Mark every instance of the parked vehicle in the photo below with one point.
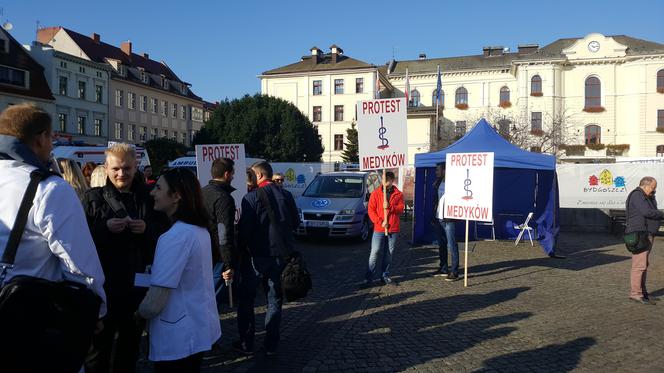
(190, 163)
(84, 154)
(335, 205)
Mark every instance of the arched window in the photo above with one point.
(593, 134)
(536, 86)
(461, 97)
(414, 98)
(442, 98)
(660, 81)
(660, 151)
(593, 93)
(504, 96)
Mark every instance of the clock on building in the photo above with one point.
(593, 46)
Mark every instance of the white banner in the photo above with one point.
(382, 133)
(297, 176)
(603, 186)
(469, 186)
(206, 154)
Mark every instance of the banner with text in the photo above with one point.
(382, 133)
(469, 186)
(206, 154)
(603, 186)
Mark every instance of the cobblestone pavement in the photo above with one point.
(522, 312)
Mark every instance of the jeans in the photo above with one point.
(386, 243)
(266, 271)
(444, 231)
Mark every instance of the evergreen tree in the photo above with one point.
(351, 146)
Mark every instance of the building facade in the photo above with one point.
(80, 88)
(595, 95)
(21, 77)
(146, 99)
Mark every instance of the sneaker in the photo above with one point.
(241, 347)
(388, 281)
(441, 273)
(452, 277)
(643, 301)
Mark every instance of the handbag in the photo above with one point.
(45, 325)
(636, 242)
(295, 278)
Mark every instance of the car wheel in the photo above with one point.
(365, 231)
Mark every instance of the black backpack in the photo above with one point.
(295, 279)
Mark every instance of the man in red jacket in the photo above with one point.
(380, 240)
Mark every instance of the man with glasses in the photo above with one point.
(278, 179)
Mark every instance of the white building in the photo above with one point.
(80, 88)
(607, 91)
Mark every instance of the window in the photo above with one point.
(660, 151)
(593, 93)
(414, 98)
(165, 83)
(536, 121)
(338, 113)
(98, 74)
(130, 132)
(318, 114)
(12, 76)
(174, 110)
(504, 127)
(142, 133)
(182, 112)
(660, 120)
(97, 127)
(122, 70)
(338, 86)
(434, 95)
(143, 103)
(154, 105)
(504, 95)
(164, 108)
(338, 142)
(183, 138)
(99, 93)
(318, 88)
(118, 97)
(536, 86)
(593, 134)
(62, 122)
(536, 149)
(359, 85)
(144, 77)
(660, 81)
(81, 125)
(118, 130)
(153, 133)
(131, 100)
(81, 69)
(63, 86)
(174, 136)
(164, 134)
(460, 128)
(81, 90)
(461, 97)
(63, 64)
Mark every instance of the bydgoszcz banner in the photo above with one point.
(469, 186)
(206, 154)
(382, 133)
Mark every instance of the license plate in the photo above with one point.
(323, 224)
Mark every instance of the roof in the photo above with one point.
(483, 138)
(324, 64)
(635, 47)
(19, 58)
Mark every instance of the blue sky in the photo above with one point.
(221, 46)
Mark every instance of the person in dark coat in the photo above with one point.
(125, 229)
(642, 216)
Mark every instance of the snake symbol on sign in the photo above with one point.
(381, 135)
(466, 186)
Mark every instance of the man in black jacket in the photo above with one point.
(125, 229)
(262, 243)
(221, 206)
(642, 216)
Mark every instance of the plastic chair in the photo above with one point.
(525, 228)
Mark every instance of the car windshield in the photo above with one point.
(335, 186)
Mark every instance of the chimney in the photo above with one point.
(493, 51)
(146, 56)
(336, 52)
(315, 54)
(423, 56)
(528, 48)
(486, 51)
(126, 47)
(96, 38)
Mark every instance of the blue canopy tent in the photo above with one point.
(523, 182)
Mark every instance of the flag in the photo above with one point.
(377, 85)
(439, 88)
(407, 88)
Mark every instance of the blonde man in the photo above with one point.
(125, 229)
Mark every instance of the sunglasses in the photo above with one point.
(278, 180)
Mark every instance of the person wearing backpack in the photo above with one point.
(262, 245)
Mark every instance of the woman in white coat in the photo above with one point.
(180, 305)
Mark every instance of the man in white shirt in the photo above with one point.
(56, 243)
(444, 230)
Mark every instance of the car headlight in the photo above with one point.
(347, 212)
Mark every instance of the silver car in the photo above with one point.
(335, 205)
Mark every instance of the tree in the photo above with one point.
(269, 128)
(351, 147)
(162, 150)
